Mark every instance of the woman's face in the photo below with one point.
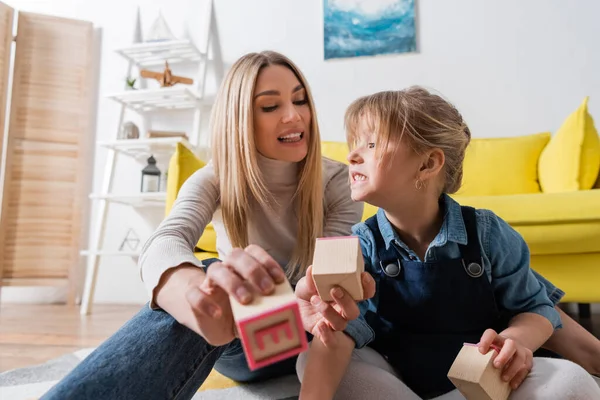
(282, 116)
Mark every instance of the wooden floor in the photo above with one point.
(33, 334)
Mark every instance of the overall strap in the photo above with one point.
(389, 261)
(471, 252)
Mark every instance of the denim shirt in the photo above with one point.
(516, 287)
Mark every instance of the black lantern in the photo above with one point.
(151, 177)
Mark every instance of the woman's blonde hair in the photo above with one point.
(425, 119)
(234, 155)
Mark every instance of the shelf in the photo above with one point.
(156, 199)
(169, 98)
(141, 149)
(156, 53)
(109, 253)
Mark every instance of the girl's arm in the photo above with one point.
(326, 366)
(529, 329)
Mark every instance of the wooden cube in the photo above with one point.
(270, 327)
(475, 376)
(338, 261)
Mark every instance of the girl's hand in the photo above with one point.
(321, 318)
(514, 359)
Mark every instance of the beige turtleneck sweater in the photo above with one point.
(272, 228)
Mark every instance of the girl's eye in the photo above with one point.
(301, 102)
(371, 145)
(269, 109)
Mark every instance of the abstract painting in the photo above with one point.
(354, 28)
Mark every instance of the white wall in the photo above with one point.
(512, 67)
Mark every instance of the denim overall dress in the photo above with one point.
(427, 310)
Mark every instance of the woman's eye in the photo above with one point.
(269, 108)
(371, 145)
(301, 102)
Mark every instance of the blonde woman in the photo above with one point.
(269, 195)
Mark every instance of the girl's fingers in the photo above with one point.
(488, 337)
(508, 350)
(519, 378)
(333, 318)
(346, 304)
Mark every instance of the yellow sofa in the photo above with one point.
(546, 186)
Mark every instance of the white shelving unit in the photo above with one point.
(147, 103)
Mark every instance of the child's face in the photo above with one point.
(282, 116)
(382, 181)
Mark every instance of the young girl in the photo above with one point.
(445, 274)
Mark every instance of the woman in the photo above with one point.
(266, 172)
(266, 186)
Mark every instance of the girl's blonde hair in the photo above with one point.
(234, 155)
(423, 119)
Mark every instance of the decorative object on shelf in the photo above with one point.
(150, 177)
(130, 83)
(166, 79)
(159, 46)
(166, 134)
(129, 130)
(368, 28)
(131, 240)
(159, 31)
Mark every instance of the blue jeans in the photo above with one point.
(155, 357)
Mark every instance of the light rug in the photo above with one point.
(32, 382)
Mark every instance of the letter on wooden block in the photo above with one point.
(475, 376)
(270, 327)
(338, 261)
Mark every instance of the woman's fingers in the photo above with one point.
(220, 275)
(202, 303)
(267, 261)
(251, 269)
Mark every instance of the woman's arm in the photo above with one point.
(172, 244)
(325, 366)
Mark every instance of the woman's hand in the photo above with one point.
(245, 272)
(200, 300)
(321, 318)
(514, 359)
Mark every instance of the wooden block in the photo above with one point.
(270, 327)
(475, 376)
(338, 261)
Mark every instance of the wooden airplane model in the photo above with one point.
(166, 78)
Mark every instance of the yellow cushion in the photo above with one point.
(338, 151)
(499, 166)
(550, 223)
(572, 158)
(182, 165)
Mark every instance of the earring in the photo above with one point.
(419, 184)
